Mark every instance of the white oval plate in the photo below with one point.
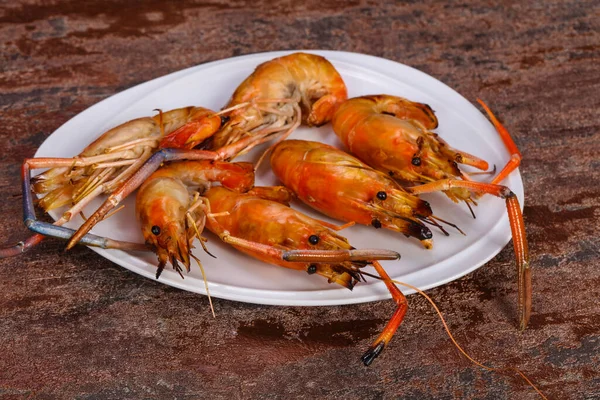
(235, 276)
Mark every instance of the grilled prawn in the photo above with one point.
(261, 224)
(104, 167)
(344, 188)
(394, 135)
(116, 155)
(172, 212)
(277, 97)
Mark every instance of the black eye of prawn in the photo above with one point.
(156, 230)
(312, 269)
(224, 119)
(382, 195)
(313, 239)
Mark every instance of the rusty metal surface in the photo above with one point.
(73, 325)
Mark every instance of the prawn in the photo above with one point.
(112, 158)
(394, 135)
(171, 210)
(261, 224)
(277, 97)
(104, 165)
(344, 188)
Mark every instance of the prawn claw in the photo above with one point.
(372, 353)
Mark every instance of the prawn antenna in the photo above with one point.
(200, 238)
(356, 273)
(212, 309)
(237, 106)
(471, 209)
(113, 212)
(504, 371)
(435, 217)
(491, 172)
(434, 223)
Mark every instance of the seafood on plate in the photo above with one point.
(172, 211)
(113, 157)
(104, 167)
(343, 187)
(261, 224)
(276, 98)
(394, 135)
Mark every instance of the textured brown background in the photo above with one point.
(75, 325)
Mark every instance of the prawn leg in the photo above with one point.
(319, 256)
(245, 144)
(360, 255)
(21, 247)
(52, 162)
(274, 250)
(515, 154)
(517, 227)
(88, 239)
(392, 326)
(105, 163)
(363, 255)
(48, 229)
(134, 182)
(43, 228)
(323, 256)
